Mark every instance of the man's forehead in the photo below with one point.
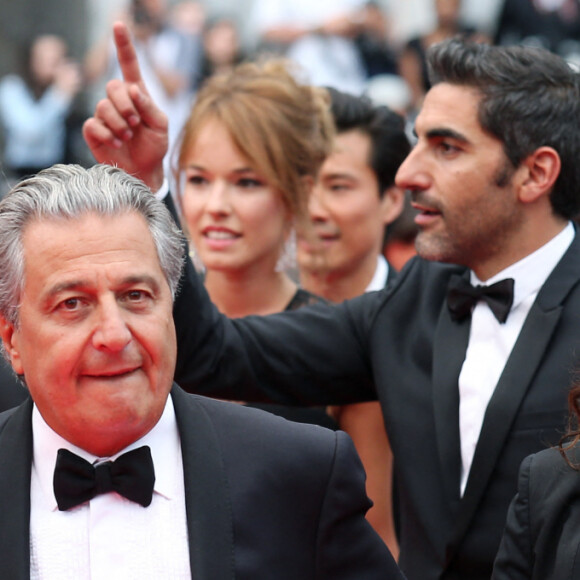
(449, 107)
(88, 240)
(84, 225)
(349, 145)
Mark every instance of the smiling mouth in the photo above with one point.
(220, 235)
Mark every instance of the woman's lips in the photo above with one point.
(219, 238)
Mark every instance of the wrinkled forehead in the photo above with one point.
(82, 248)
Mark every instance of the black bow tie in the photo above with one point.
(77, 481)
(462, 297)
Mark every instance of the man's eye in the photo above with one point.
(70, 304)
(136, 295)
(447, 147)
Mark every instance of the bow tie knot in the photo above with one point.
(77, 481)
(462, 297)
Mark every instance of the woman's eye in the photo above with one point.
(196, 180)
(248, 183)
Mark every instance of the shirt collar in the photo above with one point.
(380, 276)
(163, 441)
(531, 272)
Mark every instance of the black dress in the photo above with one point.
(313, 415)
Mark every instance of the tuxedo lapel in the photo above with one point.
(515, 380)
(15, 467)
(449, 350)
(209, 516)
(208, 504)
(391, 274)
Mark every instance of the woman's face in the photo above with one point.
(235, 220)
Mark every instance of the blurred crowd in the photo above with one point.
(356, 46)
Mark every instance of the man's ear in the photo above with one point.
(9, 336)
(541, 170)
(392, 204)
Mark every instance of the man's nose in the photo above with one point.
(112, 332)
(412, 173)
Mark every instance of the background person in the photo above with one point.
(553, 24)
(222, 50)
(319, 36)
(413, 59)
(354, 201)
(541, 534)
(248, 157)
(35, 105)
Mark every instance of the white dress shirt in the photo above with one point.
(110, 537)
(380, 276)
(490, 343)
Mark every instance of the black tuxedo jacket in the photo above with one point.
(542, 534)
(401, 346)
(12, 392)
(265, 498)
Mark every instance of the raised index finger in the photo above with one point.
(126, 55)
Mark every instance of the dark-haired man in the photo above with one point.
(470, 380)
(354, 201)
(351, 206)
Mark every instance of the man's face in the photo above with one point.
(346, 210)
(95, 339)
(462, 185)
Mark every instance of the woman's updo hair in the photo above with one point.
(282, 126)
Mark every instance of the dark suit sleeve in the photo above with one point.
(515, 558)
(316, 355)
(347, 546)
